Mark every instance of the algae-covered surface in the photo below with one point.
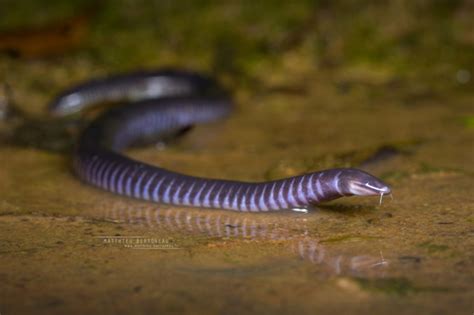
(386, 88)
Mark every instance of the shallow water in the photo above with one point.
(70, 248)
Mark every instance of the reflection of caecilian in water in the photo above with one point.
(293, 233)
(164, 103)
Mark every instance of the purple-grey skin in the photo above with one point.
(98, 161)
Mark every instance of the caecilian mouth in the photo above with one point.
(382, 190)
(366, 189)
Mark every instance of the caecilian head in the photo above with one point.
(356, 182)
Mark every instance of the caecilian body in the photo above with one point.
(166, 103)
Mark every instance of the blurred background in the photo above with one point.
(249, 43)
